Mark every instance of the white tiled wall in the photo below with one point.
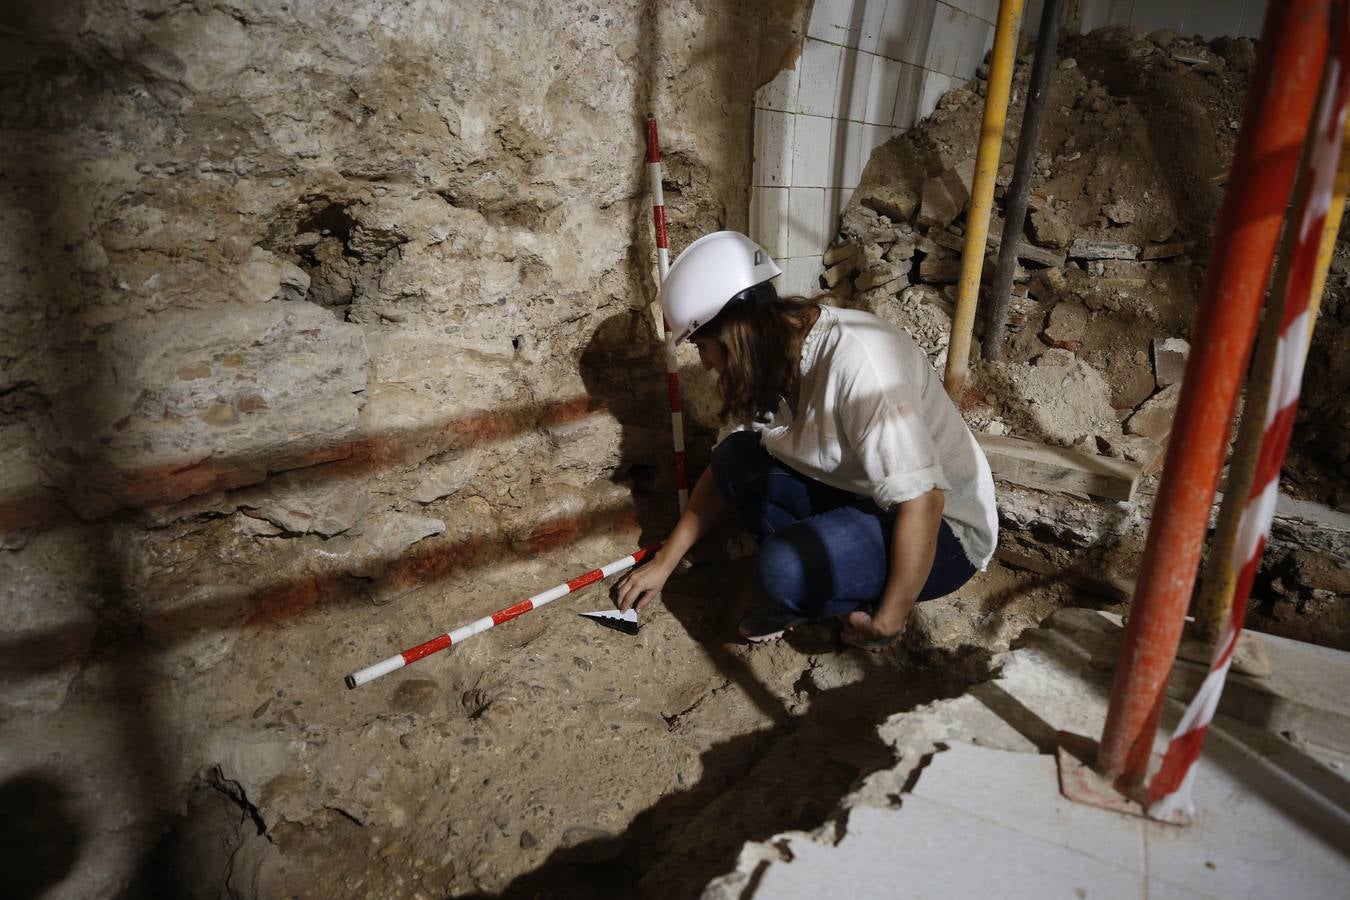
(870, 69)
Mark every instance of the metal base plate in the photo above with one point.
(1080, 782)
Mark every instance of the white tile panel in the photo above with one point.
(835, 201)
(801, 275)
(874, 12)
(908, 96)
(848, 155)
(1096, 13)
(949, 27)
(881, 90)
(906, 29)
(1151, 15)
(773, 148)
(935, 84)
(781, 92)
(769, 219)
(1253, 18)
(813, 152)
(1031, 17)
(970, 52)
(1119, 13)
(965, 776)
(834, 21)
(806, 221)
(873, 136)
(855, 78)
(818, 93)
(1213, 18)
(1274, 839)
(988, 9)
(910, 851)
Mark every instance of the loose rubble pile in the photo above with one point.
(1128, 181)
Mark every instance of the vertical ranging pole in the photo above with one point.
(982, 194)
(1015, 203)
(1280, 100)
(464, 632)
(1169, 792)
(662, 266)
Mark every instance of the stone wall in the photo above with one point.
(310, 306)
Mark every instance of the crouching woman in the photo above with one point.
(848, 463)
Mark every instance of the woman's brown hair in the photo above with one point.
(761, 335)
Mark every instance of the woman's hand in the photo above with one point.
(640, 586)
(870, 631)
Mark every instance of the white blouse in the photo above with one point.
(874, 420)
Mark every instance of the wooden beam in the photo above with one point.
(1058, 469)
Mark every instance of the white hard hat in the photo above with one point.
(709, 272)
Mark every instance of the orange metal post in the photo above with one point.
(1279, 106)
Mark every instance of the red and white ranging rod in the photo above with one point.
(1169, 793)
(464, 632)
(663, 266)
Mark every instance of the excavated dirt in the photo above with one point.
(1127, 185)
(550, 756)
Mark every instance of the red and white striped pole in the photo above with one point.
(1169, 792)
(662, 266)
(464, 632)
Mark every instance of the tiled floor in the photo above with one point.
(1273, 815)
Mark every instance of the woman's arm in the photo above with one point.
(913, 546)
(642, 585)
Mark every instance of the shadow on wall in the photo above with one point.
(40, 839)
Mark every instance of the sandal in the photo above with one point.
(768, 623)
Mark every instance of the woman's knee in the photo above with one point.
(782, 572)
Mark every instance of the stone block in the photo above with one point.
(841, 270)
(1047, 284)
(1084, 248)
(883, 275)
(944, 238)
(1066, 325)
(308, 503)
(1039, 255)
(1121, 212)
(937, 270)
(1048, 229)
(1153, 419)
(945, 196)
(894, 201)
(1134, 447)
(903, 248)
(1167, 251)
(195, 401)
(1169, 360)
(446, 475)
(929, 247)
(840, 252)
(382, 540)
(1119, 273)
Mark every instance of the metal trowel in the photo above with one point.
(627, 622)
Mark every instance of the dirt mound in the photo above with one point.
(1128, 181)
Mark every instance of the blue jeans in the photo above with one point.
(822, 551)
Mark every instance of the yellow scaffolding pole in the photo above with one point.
(982, 192)
(1214, 603)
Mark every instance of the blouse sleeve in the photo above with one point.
(882, 421)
